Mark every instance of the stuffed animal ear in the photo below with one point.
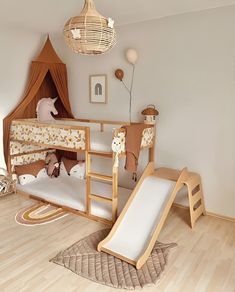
(47, 159)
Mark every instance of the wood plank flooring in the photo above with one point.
(203, 261)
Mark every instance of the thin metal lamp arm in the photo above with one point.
(130, 94)
(133, 75)
(126, 86)
(130, 89)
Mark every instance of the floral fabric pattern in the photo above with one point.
(147, 137)
(50, 135)
(59, 136)
(17, 148)
(29, 158)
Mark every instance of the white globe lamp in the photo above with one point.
(132, 56)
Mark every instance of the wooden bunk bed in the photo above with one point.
(30, 141)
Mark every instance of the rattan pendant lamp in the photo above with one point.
(90, 33)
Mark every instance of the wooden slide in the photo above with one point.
(134, 234)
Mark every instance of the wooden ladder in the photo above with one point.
(195, 196)
(194, 190)
(101, 177)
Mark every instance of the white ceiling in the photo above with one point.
(50, 15)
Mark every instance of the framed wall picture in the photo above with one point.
(98, 88)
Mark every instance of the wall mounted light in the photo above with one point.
(132, 57)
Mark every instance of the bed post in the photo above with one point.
(88, 170)
(150, 113)
(152, 148)
(9, 166)
(114, 190)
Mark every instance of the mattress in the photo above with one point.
(71, 192)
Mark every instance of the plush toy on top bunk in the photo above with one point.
(45, 107)
(52, 165)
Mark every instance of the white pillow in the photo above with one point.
(78, 170)
(63, 171)
(31, 172)
(29, 178)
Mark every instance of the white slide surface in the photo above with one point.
(141, 218)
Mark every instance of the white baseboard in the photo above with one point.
(231, 219)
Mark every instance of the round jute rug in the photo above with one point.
(83, 259)
(38, 214)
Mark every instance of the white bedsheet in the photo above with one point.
(71, 192)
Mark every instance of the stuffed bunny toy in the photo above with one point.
(52, 165)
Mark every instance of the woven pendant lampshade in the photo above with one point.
(90, 33)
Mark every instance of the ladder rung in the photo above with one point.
(99, 153)
(197, 197)
(100, 176)
(100, 198)
(198, 212)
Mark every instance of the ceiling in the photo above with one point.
(50, 15)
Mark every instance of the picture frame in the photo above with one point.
(98, 89)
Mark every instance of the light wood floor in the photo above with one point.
(203, 261)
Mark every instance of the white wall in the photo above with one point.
(17, 49)
(186, 68)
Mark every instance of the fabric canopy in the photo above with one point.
(47, 78)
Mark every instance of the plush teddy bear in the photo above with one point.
(52, 165)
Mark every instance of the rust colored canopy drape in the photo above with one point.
(47, 78)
